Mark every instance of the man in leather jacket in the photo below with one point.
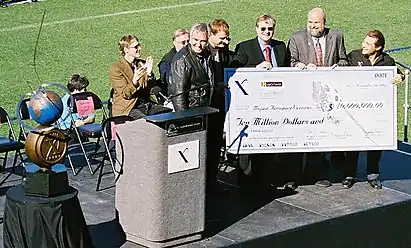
(191, 77)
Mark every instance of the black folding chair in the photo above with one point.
(110, 103)
(92, 130)
(9, 143)
(109, 136)
(23, 112)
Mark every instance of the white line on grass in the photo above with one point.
(109, 15)
(22, 2)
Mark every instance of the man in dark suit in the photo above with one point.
(313, 47)
(266, 52)
(253, 53)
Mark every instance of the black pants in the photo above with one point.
(272, 169)
(351, 161)
(316, 167)
(289, 168)
(141, 110)
(215, 131)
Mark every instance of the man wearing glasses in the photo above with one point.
(317, 46)
(262, 51)
(218, 48)
(132, 79)
(265, 52)
(180, 39)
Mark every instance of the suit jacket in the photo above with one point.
(248, 54)
(301, 48)
(125, 93)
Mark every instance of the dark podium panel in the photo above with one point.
(160, 196)
(36, 222)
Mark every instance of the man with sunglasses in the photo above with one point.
(180, 39)
(132, 80)
(262, 51)
(265, 52)
(317, 46)
(218, 48)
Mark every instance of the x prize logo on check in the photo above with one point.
(241, 87)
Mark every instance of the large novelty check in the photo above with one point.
(293, 110)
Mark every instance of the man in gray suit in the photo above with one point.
(306, 44)
(313, 47)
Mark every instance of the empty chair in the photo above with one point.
(9, 143)
(109, 136)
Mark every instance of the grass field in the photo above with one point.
(81, 36)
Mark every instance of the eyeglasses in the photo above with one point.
(183, 42)
(136, 46)
(268, 29)
(227, 38)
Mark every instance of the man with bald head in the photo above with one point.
(317, 46)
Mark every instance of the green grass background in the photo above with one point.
(89, 46)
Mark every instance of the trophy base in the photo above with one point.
(46, 183)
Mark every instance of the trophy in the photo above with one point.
(46, 145)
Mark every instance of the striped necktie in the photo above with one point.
(318, 53)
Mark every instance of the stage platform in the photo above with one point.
(311, 216)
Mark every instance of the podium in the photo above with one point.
(160, 195)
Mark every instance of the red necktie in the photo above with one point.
(318, 53)
(268, 54)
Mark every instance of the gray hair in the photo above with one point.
(200, 27)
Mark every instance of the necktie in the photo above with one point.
(318, 53)
(268, 54)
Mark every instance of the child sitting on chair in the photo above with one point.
(76, 84)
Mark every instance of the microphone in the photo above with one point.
(157, 91)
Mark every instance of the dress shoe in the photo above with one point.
(375, 183)
(323, 183)
(290, 186)
(348, 182)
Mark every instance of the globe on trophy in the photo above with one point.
(46, 145)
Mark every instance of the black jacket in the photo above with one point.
(190, 85)
(356, 57)
(248, 54)
(164, 69)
